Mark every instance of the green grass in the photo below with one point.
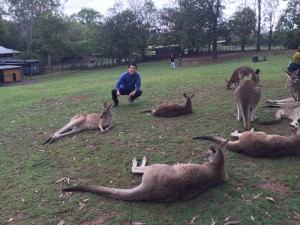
(29, 170)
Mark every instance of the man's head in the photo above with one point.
(132, 68)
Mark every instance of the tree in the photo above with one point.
(146, 14)
(242, 24)
(271, 8)
(258, 32)
(289, 24)
(52, 37)
(25, 13)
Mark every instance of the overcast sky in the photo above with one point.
(74, 6)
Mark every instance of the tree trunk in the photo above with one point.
(258, 26)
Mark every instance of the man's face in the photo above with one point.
(132, 70)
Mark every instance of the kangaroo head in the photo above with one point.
(228, 84)
(292, 77)
(190, 95)
(297, 127)
(209, 155)
(106, 110)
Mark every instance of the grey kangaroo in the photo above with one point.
(172, 110)
(293, 84)
(164, 183)
(261, 145)
(239, 74)
(290, 110)
(247, 97)
(83, 121)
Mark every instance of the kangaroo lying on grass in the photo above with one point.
(261, 145)
(290, 110)
(171, 110)
(164, 183)
(83, 121)
(293, 84)
(247, 97)
(239, 74)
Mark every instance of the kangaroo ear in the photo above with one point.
(288, 73)
(105, 104)
(212, 149)
(184, 94)
(223, 145)
(110, 105)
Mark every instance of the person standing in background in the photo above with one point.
(179, 60)
(172, 61)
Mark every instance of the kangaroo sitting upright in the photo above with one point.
(293, 84)
(239, 74)
(164, 183)
(290, 110)
(261, 145)
(171, 110)
(247, 97)
(83, 121)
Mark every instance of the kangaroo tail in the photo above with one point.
(115, 193)
(211, 138)
(48, 141)
(271, 106)
(269, 122)
(147, 111)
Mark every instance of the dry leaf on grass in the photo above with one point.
(61, 222)
(193, 220)
(252, 218)
(232, 222)
(63, 180)
(81, 205)
(297, 215)
(11, 219)
(138, 223)
(227, 219)
(256, 196)
(213, 222)
(271, 199)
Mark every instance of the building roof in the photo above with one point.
(9, 67)
(7, 51)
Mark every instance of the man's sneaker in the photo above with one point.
(115, 104)
(130, 100)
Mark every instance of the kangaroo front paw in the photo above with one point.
(235, 133)
(253, 119)
(134, 162)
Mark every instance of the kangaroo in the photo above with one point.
(293, 84)
(247, 97)
(290, 110)
(239, 74)
(172, 110)
(83, 121)
(261, 145)
(164, 183)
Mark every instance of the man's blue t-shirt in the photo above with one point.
(129, 82)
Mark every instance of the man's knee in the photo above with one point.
(139, 93)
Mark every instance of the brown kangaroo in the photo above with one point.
(83, 121)
(247, 97)
(164, 183)
(261, 145)
(172, 110)
(290, 110)
(239, 74)
(293, 84)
